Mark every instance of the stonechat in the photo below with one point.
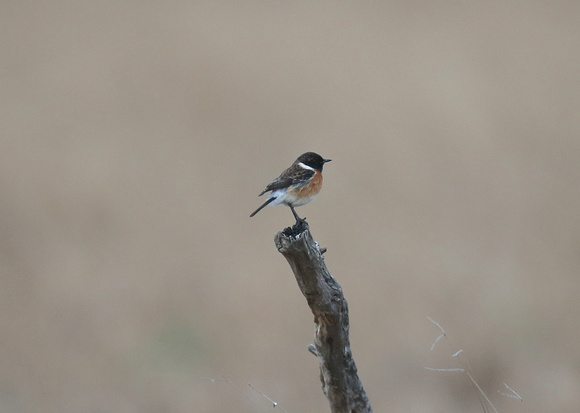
(297, 185)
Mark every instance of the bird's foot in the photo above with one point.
(300, 226)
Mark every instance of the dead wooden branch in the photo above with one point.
(338, 373)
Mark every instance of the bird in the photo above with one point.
(297, 185)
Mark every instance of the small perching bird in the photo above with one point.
(297, 185)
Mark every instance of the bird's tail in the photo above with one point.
(262, 206)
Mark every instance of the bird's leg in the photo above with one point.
(300, 222)
(299, 227)
(298, 219)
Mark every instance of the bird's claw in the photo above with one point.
(300, 226)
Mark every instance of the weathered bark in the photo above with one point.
(338, 373)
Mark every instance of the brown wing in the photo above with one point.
(295, 175)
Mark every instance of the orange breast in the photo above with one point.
(306, 193)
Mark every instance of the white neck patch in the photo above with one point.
(306, 166)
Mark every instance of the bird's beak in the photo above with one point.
(327, 160)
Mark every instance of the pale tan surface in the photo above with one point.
(136, 136)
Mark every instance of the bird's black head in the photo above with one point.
(312, 160)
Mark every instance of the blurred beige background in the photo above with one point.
(135, 137)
